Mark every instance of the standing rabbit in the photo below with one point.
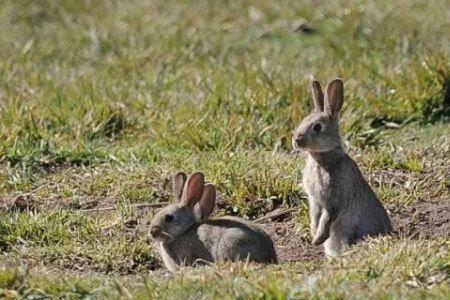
(343, 208)
(186, 236)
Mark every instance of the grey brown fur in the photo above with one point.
(343, 208)
(188, 237)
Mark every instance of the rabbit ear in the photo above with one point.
(316, 100)
(334, 98)
(193, 189)
(178, 181)
(205, 206)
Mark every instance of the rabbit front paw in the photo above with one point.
(319, 239)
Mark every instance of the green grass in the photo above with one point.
(421, 272)
(101, 101)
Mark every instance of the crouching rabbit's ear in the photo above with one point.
(178, 181)
(193, 190)
(205, 207)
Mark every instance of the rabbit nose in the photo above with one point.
(297, 141)
(155, 231)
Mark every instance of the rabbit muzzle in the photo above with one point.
(159, 234)
(155, 231)
(299, 141)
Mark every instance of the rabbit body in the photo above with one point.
(218, 240)
(188, 237)
(334, 183)
(343, 208)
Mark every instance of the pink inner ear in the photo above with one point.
(193, 189)
(207, 202)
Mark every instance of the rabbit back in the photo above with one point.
(241, 240)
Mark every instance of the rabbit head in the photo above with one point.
(319, 131)
(195, 203)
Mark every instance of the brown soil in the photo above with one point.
(288, 244)
(422, 219)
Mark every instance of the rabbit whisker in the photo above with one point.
(167, 235)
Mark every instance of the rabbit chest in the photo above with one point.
(317, 182)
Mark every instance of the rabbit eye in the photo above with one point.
(168, 218)
(317, 127)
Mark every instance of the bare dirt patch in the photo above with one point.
(422, 219)
(289, 246)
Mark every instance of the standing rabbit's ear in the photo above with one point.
(205, 206)
(193, 189)
(178, 181)
(316, 100)
(334, 98)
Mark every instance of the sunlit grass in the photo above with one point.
(101, 101)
